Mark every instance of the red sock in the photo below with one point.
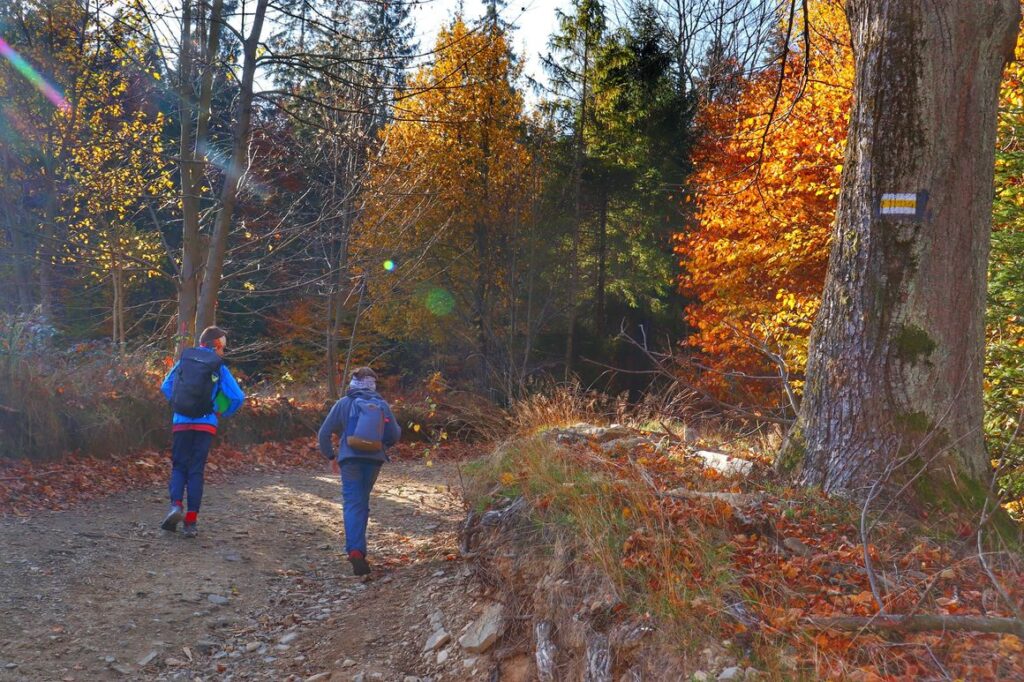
(356, 554)
(177, 503)
(190, 517)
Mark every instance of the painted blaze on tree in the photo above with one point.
(897, 350)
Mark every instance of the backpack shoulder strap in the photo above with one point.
(353, 416)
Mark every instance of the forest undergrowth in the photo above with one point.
(790, 582)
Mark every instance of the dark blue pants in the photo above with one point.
(357, 479)
(188, 461)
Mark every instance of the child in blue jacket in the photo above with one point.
(200, 389)
(358, 467)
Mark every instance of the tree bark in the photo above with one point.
(896, 354)
(601, 314)
(47, 250)
(188, 284)
(20, 259)
(336, 305)
(355, 327)
(579, 154)
(15, 223)
(193, 149)
(206, 315)
(117, 333)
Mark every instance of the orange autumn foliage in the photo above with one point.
(756, 261)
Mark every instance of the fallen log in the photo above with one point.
(919, 623)
(732, 499)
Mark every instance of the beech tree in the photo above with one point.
(896, 353)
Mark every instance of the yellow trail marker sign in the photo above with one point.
(903, 204)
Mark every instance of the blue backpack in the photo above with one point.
(365, 432)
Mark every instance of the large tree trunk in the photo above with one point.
(188, 285)
(895, 363)
(193, 147)
(206, 315)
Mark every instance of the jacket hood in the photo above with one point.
(362, 393)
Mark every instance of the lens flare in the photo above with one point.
(440, 302)
(33, 76)
(389, 265)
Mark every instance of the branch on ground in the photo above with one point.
(922, 623)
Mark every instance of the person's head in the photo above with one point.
(364, 378)
(214, 338)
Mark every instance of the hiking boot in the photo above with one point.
(189, 530)
(359, 564)
(174, 516)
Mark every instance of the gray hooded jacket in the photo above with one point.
(337, 421)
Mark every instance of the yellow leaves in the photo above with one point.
(114, 165)
(1011, 645)
(459, 140)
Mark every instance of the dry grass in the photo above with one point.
(93, 401)
(718, 576)
(616, 522)
(88, 399)
(561, 405)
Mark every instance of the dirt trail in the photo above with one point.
(101, 593)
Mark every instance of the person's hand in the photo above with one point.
(335, 467)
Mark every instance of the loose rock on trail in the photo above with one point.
(100, 592)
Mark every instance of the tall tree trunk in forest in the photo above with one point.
(47, 248)
(114, 306)
(117, 334)
(579, 38)
(334, 308)
(896, 355)
(484, 261)
(193, 147)
(480, 302)
(188, 284)
(579, 153)
(601, 314)
(336, 304)
(206, 314)
(20, 259)
(15, 225)
(363, 288)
